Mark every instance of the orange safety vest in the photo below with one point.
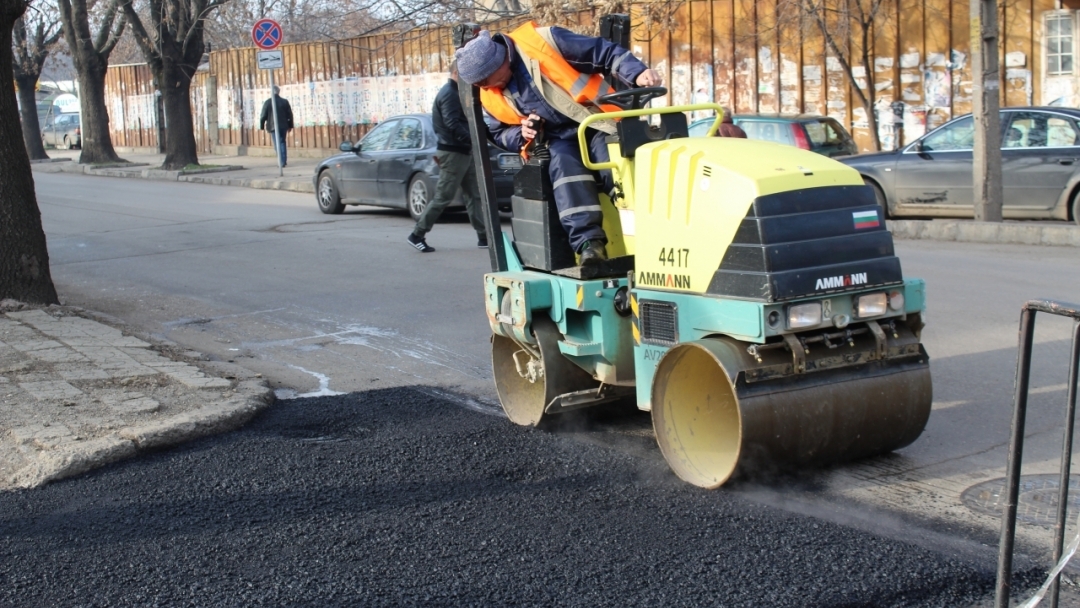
(584, 88)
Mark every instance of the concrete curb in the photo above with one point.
(306, 186)
(131, 171)
(252, 397)
(967, 231)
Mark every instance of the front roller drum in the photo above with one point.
(528, 377)
(710, 423)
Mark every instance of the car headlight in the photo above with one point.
(871, 305)
(509, 161)
(804, 315)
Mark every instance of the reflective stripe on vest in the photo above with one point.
(584, 88)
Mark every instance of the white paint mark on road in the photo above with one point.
(322, 391)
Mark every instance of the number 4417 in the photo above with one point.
(675, 257)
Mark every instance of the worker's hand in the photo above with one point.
(529, 125)
(649, 78)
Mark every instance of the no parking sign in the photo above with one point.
(266, 34)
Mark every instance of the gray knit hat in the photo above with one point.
(479, 58)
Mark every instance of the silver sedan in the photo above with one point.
(932, 177)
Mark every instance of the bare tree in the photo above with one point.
(843, 23)
(90, 54)
(33, 36)
(24, 257)
(302, 20)
(171, 40)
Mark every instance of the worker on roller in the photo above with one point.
(552, 77)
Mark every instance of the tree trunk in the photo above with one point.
(31, 129)
(180, 147)
(97, 145)
(24, 257)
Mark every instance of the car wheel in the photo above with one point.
(328, 196)
(418, 196)
(67, 146)
(879, 196)
(1075, 206)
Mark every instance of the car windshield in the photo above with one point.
(824, 132)
(959, 135)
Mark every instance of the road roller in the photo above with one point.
(752, 300)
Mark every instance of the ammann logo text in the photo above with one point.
(659, 279)
(846, 280)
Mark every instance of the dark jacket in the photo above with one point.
(585, 54)
(730, 129)
(284, 115)
(449, 120)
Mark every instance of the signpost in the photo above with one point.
(267, 35)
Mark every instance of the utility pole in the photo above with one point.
(986, 106)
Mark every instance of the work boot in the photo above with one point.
(593, 253)
(420, 244)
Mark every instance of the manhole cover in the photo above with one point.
(1037, 503)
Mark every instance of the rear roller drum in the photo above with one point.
(528, 377)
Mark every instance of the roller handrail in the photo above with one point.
(589, 164)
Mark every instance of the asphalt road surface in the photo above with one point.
(325, 305)
(396, 497)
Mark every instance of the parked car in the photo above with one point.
(63, 131)
(394, 166)
(819, 134)
(932, 176)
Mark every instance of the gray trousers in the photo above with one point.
(456, 171)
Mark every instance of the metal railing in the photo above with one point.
(1016, 447)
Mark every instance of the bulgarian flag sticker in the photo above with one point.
(865, 219)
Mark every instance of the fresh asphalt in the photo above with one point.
(400, 497)
(321, 304)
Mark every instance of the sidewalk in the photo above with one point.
(77, 394)
(261, 172)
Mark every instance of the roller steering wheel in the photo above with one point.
(632, 99)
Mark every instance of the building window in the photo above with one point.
(1059, 44)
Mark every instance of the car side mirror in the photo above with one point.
(918, 146)
(347, 146)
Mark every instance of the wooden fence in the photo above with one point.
(728, 51)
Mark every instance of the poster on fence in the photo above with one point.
(341, 102)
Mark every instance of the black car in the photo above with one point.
(394, 166)
(932, 176)
(64, 131)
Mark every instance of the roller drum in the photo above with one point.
(710, 422)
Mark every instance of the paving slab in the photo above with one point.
(78, 394)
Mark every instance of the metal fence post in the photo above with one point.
(1016, 444)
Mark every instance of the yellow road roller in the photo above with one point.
(752, 302)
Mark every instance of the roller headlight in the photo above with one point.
(896, 300)
(871, 305)
(804, 315)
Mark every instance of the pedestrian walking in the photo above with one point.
(456, 169)
(279, 132)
